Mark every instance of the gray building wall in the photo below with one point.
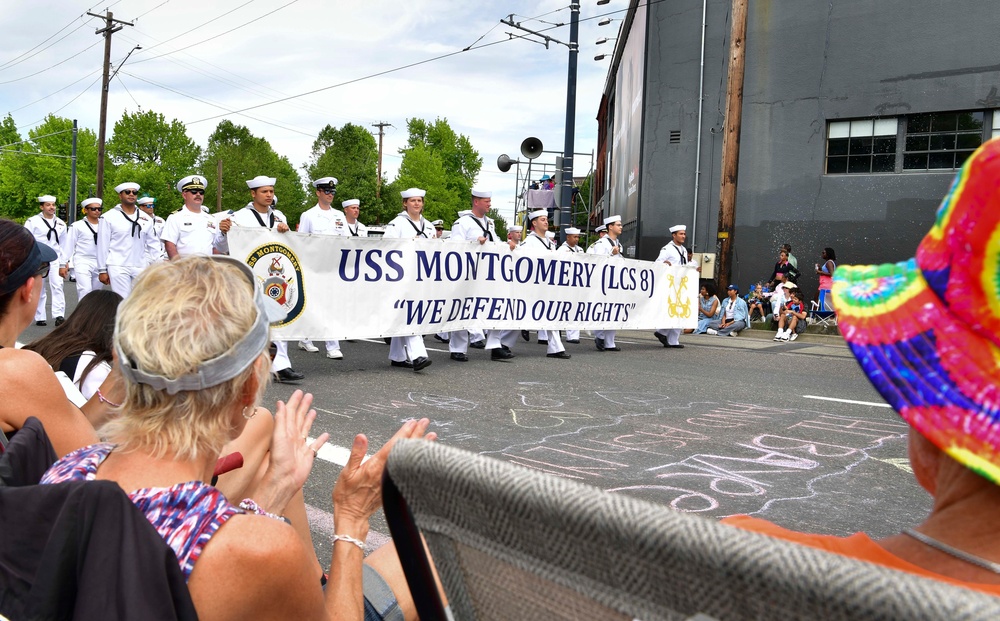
(807, 62)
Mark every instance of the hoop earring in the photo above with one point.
(252, 412)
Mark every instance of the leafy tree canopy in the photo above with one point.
(350, 154)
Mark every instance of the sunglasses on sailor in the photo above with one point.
(329, 191)
(195, 191)
(94, 208)
(130, 191)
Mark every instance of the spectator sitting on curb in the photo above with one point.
(755, 303)
(793, 315)
(708, 307)
(734, 317)
(780, 294)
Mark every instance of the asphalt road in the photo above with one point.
(791, 432)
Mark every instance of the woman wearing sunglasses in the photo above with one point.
(79, 246)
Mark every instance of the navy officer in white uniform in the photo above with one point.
(323, 219)
(191, 230)
(610, 247)
(126, 241)
(674, 253)
(409, 351)
(49, 229)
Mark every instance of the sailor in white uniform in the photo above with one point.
(537, 238)
(191, 230)
(601, 231)
(125, 241)
(572, 245)
(674, 253)
(79, 246)
(409, 351)
(147, 205)
(323, 219)
(259, 213)
(352, 210)
(49, 229)
(612, 248)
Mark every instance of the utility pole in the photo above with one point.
(731, 141)
(381, 132)
(71, 216)
(109, 29)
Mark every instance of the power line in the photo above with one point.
(199, 26)
(129, 92)
(14, 61)
(152, 9)
(53, 66)
(14, 144)
(78, 80)
(33, 123)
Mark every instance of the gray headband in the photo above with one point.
(223, 367)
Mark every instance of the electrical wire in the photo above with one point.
(138, 105)
(59, 109)
(53, 66)
(14, 61)
(78, 80)
(150, 10)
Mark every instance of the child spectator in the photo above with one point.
(793, 315)
(755, 302)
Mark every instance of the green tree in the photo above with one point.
(155, 154)
(28, 170)
(501, 224)
(351, 155)
(245, 156)
(442, 162)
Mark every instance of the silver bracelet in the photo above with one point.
(357, 542)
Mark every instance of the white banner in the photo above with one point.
(355, 287)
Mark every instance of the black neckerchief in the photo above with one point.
(134, 223)
(682, 255)
(486, 231)
(91, 229)
(419, 231)
(544, 241)
(52, 230)
(261, 220)
(354, 231)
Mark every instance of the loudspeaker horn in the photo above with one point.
(504, 163)
(531, 147)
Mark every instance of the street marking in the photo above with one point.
(334, 413)
(322, 522)
(444, 351)
(379, 341)
(900, 462)
(334, 454)
(877, 405)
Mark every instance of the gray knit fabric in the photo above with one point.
(513, 543)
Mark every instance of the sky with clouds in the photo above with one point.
(203, 60)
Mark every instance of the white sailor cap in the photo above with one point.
(438, 224)
(274, 200)
(538, 213)
(413, 193)
(515, 228)
(192, 182)
(600, 229)
(91, 201)
(46, 198)
(128, 185)
(550, 234)
(611, 219)
(679, 227)
(351, 203)
(482, 193)
(572, 231)
(465, 212)
(325, 181)
(261, 181)
(145, 200)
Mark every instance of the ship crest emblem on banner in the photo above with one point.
(279, 275)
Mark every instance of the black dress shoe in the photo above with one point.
(478, 344)
(525, 336)
(404, 364)
(60, 320)
(41, 323)
(288, 375)
(600, 344)
(661, 338)
(440, 340)
(506, 349)
(543, 341)
(421, 363)
(387, 339)
(615, 348)
(459, 356)
(574, 341)
(677, 346)
(560, 354)
(500, 354)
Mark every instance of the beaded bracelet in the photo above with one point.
(357, 542)
(103, 399)
(248, 504)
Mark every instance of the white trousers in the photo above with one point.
(673, 335)
(403, 347)
(281, 361)
(122, 278)
(330, 345)
(607, 335)
(496, 338)
(86, 277)
(572, 335)
(58, 296)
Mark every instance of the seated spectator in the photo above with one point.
(81, 347)
(194, 364)
(29, 386)
(792, 318)
(708, 307)
(733, 317)
(755, 303)
(780, 294)
(825, 272)
(937, 369)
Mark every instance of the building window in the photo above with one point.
(996, 124)
(863, 146)
(942, 140)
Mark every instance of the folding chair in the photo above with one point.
(825, 319)
(513, 543)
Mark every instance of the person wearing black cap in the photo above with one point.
(191, 229)
(323, 219)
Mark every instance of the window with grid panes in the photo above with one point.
(861, 146)
(942, 140)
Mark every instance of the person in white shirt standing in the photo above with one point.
(323, 219)
(609, 246)
(260, 213)
(147, 205)
(49, 230)
(352, 210)
(191, 229)
(572, 245)
(409, 351)
(538, 238)
(125, 241)
(674, 253)
(79, 245)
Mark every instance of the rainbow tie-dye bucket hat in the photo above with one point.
(927, 331)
